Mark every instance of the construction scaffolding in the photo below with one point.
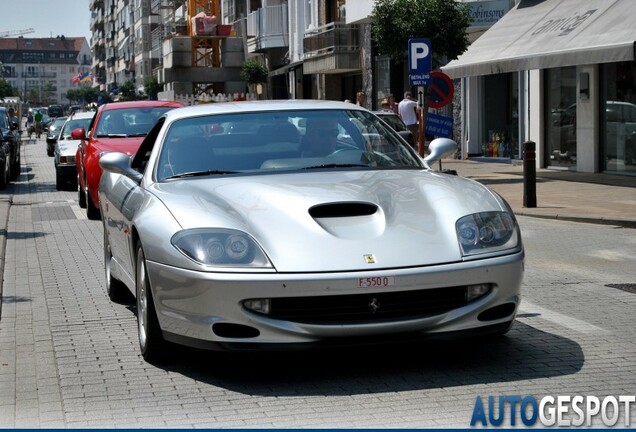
(205, 49)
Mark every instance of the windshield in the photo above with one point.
(281, 141)
(394, 121)
(128, 122)
(74, 124)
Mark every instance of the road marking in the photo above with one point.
(563, 320)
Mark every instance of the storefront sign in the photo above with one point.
(486, 13)
(439, 126)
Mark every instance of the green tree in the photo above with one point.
(128, 91)
(83, 95)
(254, 72)
(152, 87)
(444, 22)
(6, 89)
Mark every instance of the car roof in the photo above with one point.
(138, 104)
(260, 106)
(82, 114)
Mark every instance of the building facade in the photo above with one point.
(44, 69)
(560, 73)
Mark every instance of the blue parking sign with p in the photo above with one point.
(420, 61)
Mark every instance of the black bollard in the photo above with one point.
(529, 174)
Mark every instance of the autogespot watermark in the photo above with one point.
(552, 410)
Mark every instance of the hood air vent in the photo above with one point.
(337, 210)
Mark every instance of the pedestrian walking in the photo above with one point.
(407, 109)
(361, 99)
(393, 105)
(38, 123)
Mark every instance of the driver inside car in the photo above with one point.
(321, 137)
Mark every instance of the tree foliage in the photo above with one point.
(444, 22)
(128, 91)
(6, 89)
(152, 87)
(86, 95)
(254, 72)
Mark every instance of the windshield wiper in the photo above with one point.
(199, 174)
(111, 136)
(137, 135)
(333, 165)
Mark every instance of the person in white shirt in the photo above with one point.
(407, 109)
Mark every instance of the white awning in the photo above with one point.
(542, 34)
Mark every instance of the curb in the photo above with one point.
(5, 206)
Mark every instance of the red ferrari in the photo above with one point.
(119, 126)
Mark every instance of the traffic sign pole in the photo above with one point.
(420, 61)
(421, 124)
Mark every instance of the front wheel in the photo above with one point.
(116, 290)
(92, 211)
(4, 175)
(81, 195)
(151, 342)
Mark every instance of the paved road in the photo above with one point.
(69, 357)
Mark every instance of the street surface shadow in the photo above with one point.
(15, 299)
(524, 353)
(23, 235)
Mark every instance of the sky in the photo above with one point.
(49, 18)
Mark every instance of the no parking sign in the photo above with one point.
(441, 90)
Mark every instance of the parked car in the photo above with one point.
(66, 148)
(52, 133)
(620, 120)
(396, 122)
(9, 148)
(337, 234)
(119, 126)
(56, 111)
(620, 129)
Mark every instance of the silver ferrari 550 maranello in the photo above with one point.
(278, 224)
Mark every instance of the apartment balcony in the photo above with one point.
(267, 28)
(332, 49)
(37, 74)
(96, 4)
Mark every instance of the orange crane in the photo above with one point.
(16, 32)
(205, 49)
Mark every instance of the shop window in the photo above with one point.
(501, 119)
(618, 125)
(560, 120)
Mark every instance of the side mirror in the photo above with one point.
(439, 148)
(78, 134)
(119, 163)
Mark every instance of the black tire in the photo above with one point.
(151, 342)
(116, 289)
(81, 195)
(4, 178)
(92, 211)
(15, 168)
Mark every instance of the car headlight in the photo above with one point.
(487, 232)
(220, 247)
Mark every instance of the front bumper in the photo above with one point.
(205, 309)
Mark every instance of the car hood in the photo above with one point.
(336, 221)
(128, 145)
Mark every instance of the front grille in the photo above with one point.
(368, 308)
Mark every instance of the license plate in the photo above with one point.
(376, 282)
